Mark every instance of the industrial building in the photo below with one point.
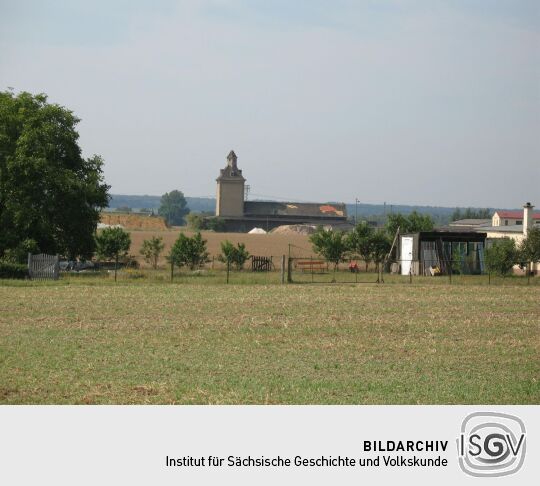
(242, 216)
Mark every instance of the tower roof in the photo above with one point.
(231, 171)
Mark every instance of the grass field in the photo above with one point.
(140, 342)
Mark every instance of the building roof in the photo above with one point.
(511, 228)
(310, 210)
(449, 235)
(471, 222)
(515, 214)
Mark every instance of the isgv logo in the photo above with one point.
(491, 444)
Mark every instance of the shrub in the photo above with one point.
(236, 255)
(113, 243)
(151, 249)
(196, 221)
(529, 250)
(190, 252)
(13, 270)
(331, 245)
(501, 256)
(215, 224)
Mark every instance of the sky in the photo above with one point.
(409, 102)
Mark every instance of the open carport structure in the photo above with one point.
(441, 252)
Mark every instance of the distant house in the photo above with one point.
(514, 225)
(510, 218)
(472, 224)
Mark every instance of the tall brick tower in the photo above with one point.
(230, 189)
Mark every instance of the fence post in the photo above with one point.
(289, 270)
(283, 269)
(57, 267)
(30, 265)
(228, 268)
(172, 269)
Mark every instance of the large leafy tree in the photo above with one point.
(50, 196)
(173, 207)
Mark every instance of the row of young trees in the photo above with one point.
(191, 252)
(364, 243)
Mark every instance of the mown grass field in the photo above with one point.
(190, 343)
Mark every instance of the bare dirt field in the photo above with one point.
(261, 245)
(134, 221)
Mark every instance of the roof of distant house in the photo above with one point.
(511, 228)
(471, 222)
(515, 214)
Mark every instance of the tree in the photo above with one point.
(215, 224)
(471, 213)
(113, 243)
(380, 246)
(151, 249)
(359, 242)
(501, 256)
(412, 223)
(331, 245)
(529, 250)
(173, 208)
(49, 193)
(237, 255)
(190, 252)
(195, 221)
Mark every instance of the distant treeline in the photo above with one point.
(195, 204)
(371, 212)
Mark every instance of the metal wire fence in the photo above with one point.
(319, 270)
(312, 269)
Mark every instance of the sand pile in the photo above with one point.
(295, 229)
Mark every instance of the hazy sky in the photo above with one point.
(417, 102)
